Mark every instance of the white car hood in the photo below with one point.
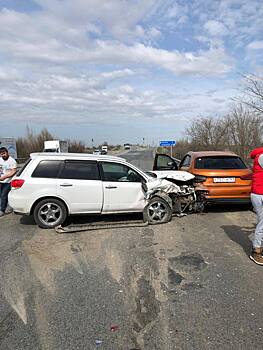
(173, 174)
(154, 185)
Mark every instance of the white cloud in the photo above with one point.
(215, 28)
(45, 39)
(90, 60)
(255, 45)
(9, 74)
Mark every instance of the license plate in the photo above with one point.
(224, 179)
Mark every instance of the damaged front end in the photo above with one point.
(178, 189)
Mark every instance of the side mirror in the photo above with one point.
(172, 165)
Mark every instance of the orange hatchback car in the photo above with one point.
(224, 174)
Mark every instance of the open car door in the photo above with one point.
(164, 162)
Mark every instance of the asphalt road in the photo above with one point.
(184, 285)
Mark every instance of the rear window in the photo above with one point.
(20, 170)
(80, 170)
(47, 169)
(220, 162)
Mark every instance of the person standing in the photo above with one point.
(257, 202)
(7, 171)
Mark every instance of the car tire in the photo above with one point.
(49, 213)
(157, 211)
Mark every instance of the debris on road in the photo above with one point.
(95, 226)
(114, 328)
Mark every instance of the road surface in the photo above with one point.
(184, 285)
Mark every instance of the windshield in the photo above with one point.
(220, 162)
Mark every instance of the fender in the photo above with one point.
(164, 196)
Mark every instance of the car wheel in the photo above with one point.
(50, 213)
(157, 211)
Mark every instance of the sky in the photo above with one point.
(123, 70)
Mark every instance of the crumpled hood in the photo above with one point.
(163, 185)
(255, 152)
(173, 174)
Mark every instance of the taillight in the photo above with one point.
(246, 177)
(17, 183)
(199, 178)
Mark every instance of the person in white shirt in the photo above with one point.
(7, 171)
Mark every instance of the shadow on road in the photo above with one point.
(240, 235)
(222, 208)
(110, 218)
(27, 220)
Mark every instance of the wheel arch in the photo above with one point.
(164, 196)
(48, 197)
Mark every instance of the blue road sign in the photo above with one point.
(167, 143)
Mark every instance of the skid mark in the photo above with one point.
(14, 284)
(49, 255)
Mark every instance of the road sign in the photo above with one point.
(10, 144)
(167, 143)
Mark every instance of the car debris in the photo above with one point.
(98, 342)
(114, 328)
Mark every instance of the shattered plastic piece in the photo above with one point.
(114, 328)
(98, 342)
(180, 215)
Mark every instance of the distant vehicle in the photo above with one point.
(224, 174)
(10, 144)
(97, 152)
(52, 186)
(104, 149)
(127, 146)
(57, 146)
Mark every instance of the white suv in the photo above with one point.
(52, 186)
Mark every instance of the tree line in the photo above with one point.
(239, 130)
(34, 142)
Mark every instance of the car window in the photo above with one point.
(163, 161)
(119, 172)
(47, 169)
(219, 162)
(80, 170)
(20, 171)
(186, 161)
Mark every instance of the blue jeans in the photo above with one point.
(4, 190)
(257, 201)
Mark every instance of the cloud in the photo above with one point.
(8, 74)
(255, 45)
(215, 28)
(91, 61)
(81, 99)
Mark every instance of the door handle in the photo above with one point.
(66, 185)
(110, 187)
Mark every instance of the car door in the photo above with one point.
(164, 162)
(185, 163)
(80, 186)
(122, 188)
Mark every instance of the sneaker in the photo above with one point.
(8, 210)
(256, 256)
(2, 213)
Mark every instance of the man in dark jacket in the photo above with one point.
(257, 201)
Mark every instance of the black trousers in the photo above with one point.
(4, 190)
